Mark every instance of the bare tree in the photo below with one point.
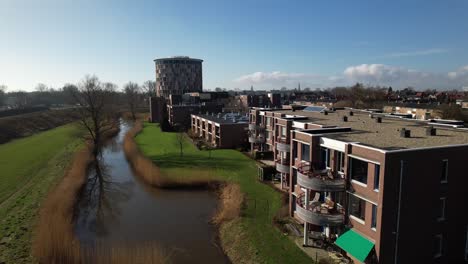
(180, 138)
(132, 96)
(40, 87)
(96, 115)
(2, 94)
(149, 88)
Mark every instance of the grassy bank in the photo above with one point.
(250, 238)
(29, 167)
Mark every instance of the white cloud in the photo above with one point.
(372, 74)
(414, 53)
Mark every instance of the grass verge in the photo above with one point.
(29, 167)
(250, 238)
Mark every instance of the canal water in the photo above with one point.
(117, 207)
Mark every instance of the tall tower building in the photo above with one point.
(178, 75)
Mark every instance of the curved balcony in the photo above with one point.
(282, 167)
(254, 139)
(283, 145)
(319, 180)
(254, 127)
(318, 213)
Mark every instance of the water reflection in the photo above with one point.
(100, 199)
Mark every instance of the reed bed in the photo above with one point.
(231, 200)
(152, 174)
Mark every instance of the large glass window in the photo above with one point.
(357, 207)
(359, 170)
(305, 150)
(374, 216)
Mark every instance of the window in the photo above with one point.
(294, 150)
(357, 207)
(374, 217)
(283, 131)
(441, 214)
(376, 177)
(268, 134)
(268, 121)
(359, 170)
(305, 150)
(325, 156)
(339, 161)
(444, 176)
(438, 246)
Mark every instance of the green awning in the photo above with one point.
(355, 244)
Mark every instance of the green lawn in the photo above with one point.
(28, 167)
(264, 243)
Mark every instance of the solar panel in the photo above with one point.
(314, 109)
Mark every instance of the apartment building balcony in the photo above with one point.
(282, 144)
(256, 139)
(319, 213)
(282, 166)
(319, 180)
(255, 127)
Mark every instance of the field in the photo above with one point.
(252, 238)
(28, 168)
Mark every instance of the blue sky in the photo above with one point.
(267, 44)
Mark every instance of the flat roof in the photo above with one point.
(385, 135)
(181, 58)
(221, 120)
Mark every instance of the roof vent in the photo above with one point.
(351, 113)
(405, 133)
(325, 112)
(345, 119)
(430, 131)
(378, 119)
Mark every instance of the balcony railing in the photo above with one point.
(282, 144)
(282, 166)
(256, 127)
(254, 139)
(319, 180)
(319, 213)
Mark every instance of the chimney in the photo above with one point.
(351, 113)
(378, 119)
(430, 131)
(405, 133)
(345, 119)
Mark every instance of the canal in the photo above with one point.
(116, 207)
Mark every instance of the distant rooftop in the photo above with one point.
(385, 135)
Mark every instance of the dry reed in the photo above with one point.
(231, 199)
(152, 174)
(54, 240)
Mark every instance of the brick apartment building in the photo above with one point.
(221, 130)
(385, 190)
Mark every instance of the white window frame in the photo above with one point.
(445, 179)
(374, 228)
(376, 188)
(441, 242)
(442, 210)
